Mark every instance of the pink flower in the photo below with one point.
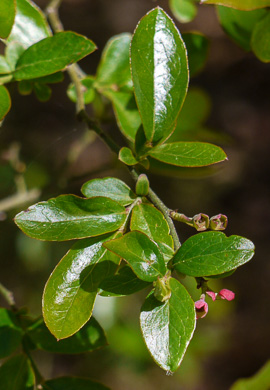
(211, 294)
(201, 308)
(226, 294)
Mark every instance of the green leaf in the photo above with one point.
(112, 188)
(194, 113)
(188, 154)
(197, 48)
(68, 217)
(7, 16)
(123, 283)
(52, 55)
(17, 374)
(212, 253)
(147, 219)
(114, 69)
(42, 91)
(160, 73)
(260, 41)
(5, 102)
(10, 333)
(127, 157)
(126, 112)
(168, 327)
(88, 90)
(71, 383)
(71, 290)
(184, 10)
(25, 87)
(4, 66)
(239, 25)
(260, 381)
(89, 338)
(13, 51)
(30, 24)
(142, 254)
(245, 5)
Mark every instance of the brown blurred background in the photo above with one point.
(233, 340)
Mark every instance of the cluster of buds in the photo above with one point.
(202, 222)
(202, 307)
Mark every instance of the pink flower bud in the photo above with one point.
(226, 294)
(201, 308)
(211, 294)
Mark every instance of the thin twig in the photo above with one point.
(8, 296)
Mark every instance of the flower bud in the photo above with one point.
(200, 222)
(218, 222)
(226, 294)
(142, 185)
(211, 294)
(201, 308)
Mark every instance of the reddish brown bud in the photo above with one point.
(226, 294)
(201, 308)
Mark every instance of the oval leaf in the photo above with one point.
(71, 383)
(71, 290)
(17, 374)
(127, 157)
(54, 53)
(142, 254)
(260, 41)
(114, 69)
(68, 217)
(245, 5)
(10, 333)
(160, 73)
(124, 282)
(5, 102)
(212, 253)
(239, 25)
(147, 219)
(188, 154)
(184, 10)
(7, 16)
(89, 338)
(112, 188)
(30, 24)
(168, 327)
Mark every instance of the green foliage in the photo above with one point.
(212, 253)
(7, 16)
(126, 240)
(246, 5)
(260, 381)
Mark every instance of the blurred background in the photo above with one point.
(49, 148)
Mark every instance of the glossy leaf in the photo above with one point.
(114, 69)
(4, 66)
(71, 383)
(68, 217)
(160, 73)
(89, 338)
(5, 102)
(7, 16)
(52, 55)
(10, 333)
(239, 25)
(246, 5)
(168, 327)
(183, 10)
(260, 41)
(88, 90)
(142, 254)
(197, 48)
(112, 188)
(13, 51)
(30, 24)
(188, 154)
(17, 374)
(127, 157)
(126, 112)
(260, 381)
(71, 290)
(124, 282)
(147, 219)
(212, 253)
